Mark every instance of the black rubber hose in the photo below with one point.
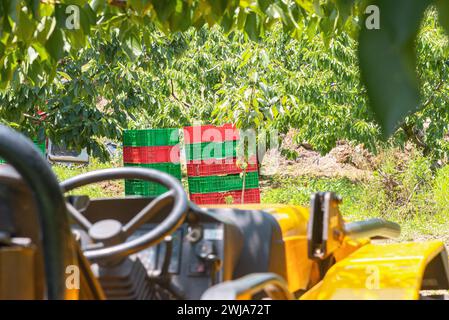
(21, 153)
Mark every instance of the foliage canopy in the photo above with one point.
(109, 54)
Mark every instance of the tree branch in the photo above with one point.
(28, 116)
(409, 129)
(118, 3)
(173, 94)
(437, 89)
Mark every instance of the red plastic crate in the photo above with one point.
(210, 133)
(218, 167)
(151, 154)
(251, 196)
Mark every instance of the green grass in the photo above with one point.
(297, 191)
(99, 190)
(107, 189)
(410, 194)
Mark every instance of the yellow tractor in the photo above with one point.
(56, 244)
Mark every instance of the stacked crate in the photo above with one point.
(154, 149)
(214, 175)
(40, 145)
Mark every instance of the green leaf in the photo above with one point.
(227, 22)
(443, 11)
(344, 8)
(251, 27)
(77, 39)
(60, 16)
(90, 13)
(164, 9)
(388, 62)
(25, 26)
(264, 4)
(55, 44)
(308, 5)
(241, 19)
(34, 5)
(86, 67)
(5, 75)
(311, 28)
(65, 75)
(275, 12)
(132, 45)
(43, 54)
(97, 5)
(218, 6)
(181, 19)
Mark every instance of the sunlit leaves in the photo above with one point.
(32, 23)
(387, 55)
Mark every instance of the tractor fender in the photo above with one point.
(394, 271)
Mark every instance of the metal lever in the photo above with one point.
(163, 271)
(325, 230)
(372, 228)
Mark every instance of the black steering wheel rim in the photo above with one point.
(57, 244)
(172, 222)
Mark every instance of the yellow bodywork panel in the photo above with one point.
(293, 221)
(378, 271)
(17, 273)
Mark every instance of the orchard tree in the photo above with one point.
(37, 38)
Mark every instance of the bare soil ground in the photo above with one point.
(113, 188)
(343, 161)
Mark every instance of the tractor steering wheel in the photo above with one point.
(110, 233)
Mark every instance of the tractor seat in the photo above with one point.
(263, 246)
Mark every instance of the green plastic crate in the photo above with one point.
(223, 183)
(143, 188)
(173, 169)
(211, 150)
(40, 146)
(151, 137)
(147, 188)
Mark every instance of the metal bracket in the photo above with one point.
(326, 228)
